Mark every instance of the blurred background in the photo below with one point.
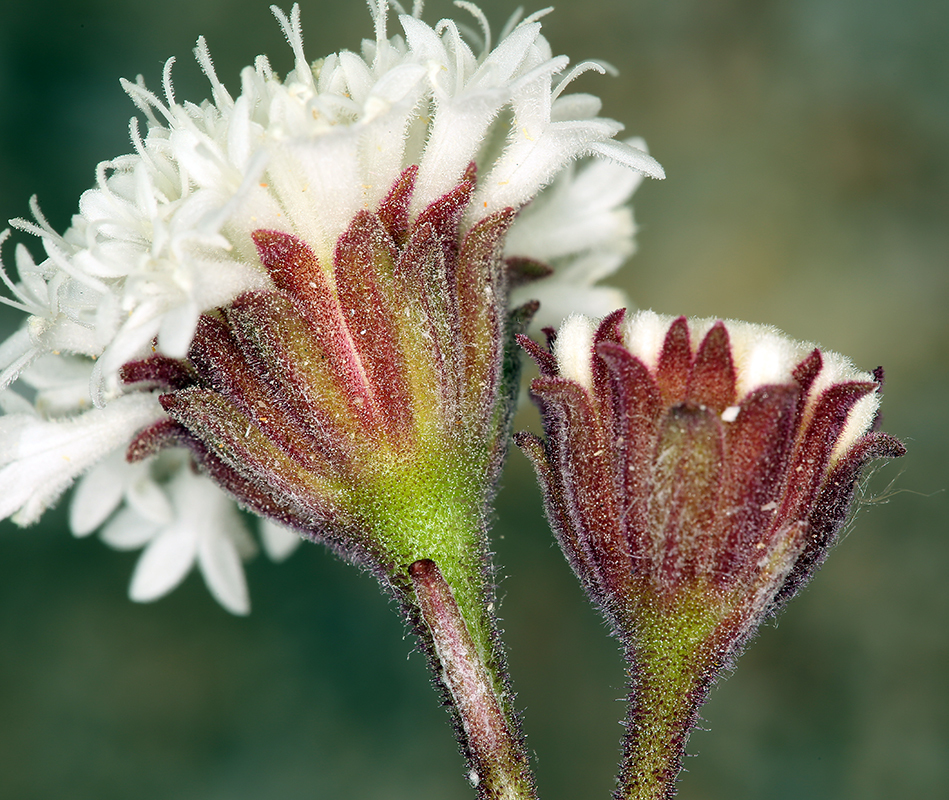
(808, 186)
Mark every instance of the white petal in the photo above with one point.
(575, 106)
(455, 136)
(98, 493)
(164, 563)
(324, 194)
(574, 349)
(279, 541)
(128, 531)
(644, 333)
(423, 42)
(148, 500)
(177, 329)
(223, 571)
(15, 353)
(53, 371)
(221, 540)
(504, 60)
(560, 300)
(13, 403)
(530, 163)
(62, 384)
(64, 335)
(632, 157)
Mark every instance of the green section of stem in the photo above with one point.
(432, 507)
(673, 657)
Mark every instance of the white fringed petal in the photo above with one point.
(41, 458)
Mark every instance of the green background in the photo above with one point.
(806, 151)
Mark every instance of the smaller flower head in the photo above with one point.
(695, 473)
(682, 452)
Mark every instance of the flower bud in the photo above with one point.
(695, 474)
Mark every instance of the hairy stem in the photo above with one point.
(487, 729)
(674, 654)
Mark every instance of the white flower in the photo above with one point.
(196, 524)
(181, 518)
(39, 459)
(165, 236)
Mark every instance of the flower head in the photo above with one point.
(325, 233)
(696, 473)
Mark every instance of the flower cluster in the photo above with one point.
(695, 474)
(304, 301)
(178, 255)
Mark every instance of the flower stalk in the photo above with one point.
(673, 663)
(478, 693)
(367, 404)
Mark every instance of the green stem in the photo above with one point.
(673, 657)
(430, 515)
